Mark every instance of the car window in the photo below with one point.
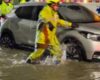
(75, 13)
(29, 12)
(18, 11)
(74, 7)
(25, 12)
(36, 11)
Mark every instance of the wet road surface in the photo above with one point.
(12, 67)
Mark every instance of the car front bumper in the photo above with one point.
(95, 49)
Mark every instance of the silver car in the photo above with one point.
(82, 43)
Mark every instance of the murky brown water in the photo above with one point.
(13, 68)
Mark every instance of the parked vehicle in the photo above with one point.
(82, 43)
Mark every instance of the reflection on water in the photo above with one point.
(95, 75)
(13, 67)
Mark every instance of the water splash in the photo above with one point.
(14, 62)
(50, 60)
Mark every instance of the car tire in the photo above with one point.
(7, 40)
(77, 46)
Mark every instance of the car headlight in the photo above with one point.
(93, 36)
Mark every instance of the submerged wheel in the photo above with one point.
(7, 40)
(74, 49)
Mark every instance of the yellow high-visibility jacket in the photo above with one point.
(22, 1)
(49, 15)
(0, 10)
(6, 8)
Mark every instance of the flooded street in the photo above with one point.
(12, 67)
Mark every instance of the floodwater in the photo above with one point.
(12, 67)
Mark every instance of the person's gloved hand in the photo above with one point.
(74, 25)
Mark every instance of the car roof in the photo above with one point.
(42, 4)
(30, 4)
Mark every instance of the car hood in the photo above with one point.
(90, 27)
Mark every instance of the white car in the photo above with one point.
(82, 43)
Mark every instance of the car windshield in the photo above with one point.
(76, 13)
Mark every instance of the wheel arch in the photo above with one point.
(84, 42)
(8, 33)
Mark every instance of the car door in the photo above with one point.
(26, 26)
(35, 14)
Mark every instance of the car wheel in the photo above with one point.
(78, 47)
(74, 49)
(7, 40)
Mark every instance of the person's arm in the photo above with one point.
(64, 23)
(67, 24)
